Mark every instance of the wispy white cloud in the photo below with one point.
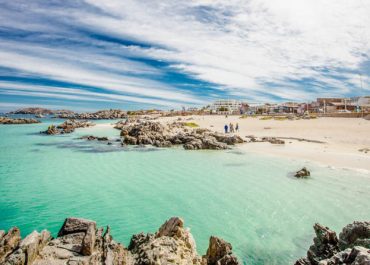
(255, 49)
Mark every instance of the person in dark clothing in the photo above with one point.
(237, 127)
(226, 128)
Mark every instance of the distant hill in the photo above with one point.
(41, 111)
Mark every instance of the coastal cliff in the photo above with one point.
(79, 241)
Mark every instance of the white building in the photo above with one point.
(226, 106)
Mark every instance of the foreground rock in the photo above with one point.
(79, 241)
(303, 173)
(67, 127)
(352, 247)
(177, 133)
(5, 120)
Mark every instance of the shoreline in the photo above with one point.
(322, 141)
(333, 142)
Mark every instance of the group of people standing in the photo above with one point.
(230, 128)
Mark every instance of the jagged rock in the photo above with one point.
(326, 250)
(354, 256)
(88, 242)
(303, 173)
(325, 244)
(355, 234)
(9, 242)
(5, 120)
(79, 242)
(29, 248)
(75, 225)
(219, 252)
(172, 244)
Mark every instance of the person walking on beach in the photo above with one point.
(237, 127)
(231, 127)
(226, 128)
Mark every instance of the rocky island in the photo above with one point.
(79, 241)
(6, 120)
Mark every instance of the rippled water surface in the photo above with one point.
(250, 200)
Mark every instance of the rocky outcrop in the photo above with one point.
(6, 120)
(9, 242)
(99, 115)
(220, 253)
(67, 127)
(355, 234)
(351, 248)
(303, 173)
(166, 135)
(79, 241)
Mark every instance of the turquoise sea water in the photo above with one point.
(249, 200)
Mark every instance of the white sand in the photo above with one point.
(343, 138)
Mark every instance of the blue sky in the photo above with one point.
(88, 54)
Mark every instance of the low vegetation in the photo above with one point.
(191, 124)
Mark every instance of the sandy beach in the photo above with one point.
(342, 138)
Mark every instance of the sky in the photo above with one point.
(89, 54)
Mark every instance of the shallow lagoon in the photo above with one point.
(250, 200)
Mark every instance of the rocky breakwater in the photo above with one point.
(79, 241)
(167, 135)
(6, 120)
(99, 115)
(352, 247)
(67, 127)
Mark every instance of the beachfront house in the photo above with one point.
(288, 107)
(361, 103)
(334, 105)
(228, 106)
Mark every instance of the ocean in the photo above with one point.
(250, 200)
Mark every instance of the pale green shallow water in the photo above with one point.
(248, 199)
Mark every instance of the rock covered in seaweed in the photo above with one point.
(79, 241)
